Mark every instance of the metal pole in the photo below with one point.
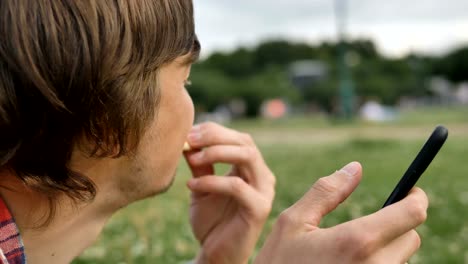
(346, 89)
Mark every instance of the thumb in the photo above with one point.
(201, 170)
(326, 194)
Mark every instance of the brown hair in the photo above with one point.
(82, 71)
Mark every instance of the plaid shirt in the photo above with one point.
(11, 245)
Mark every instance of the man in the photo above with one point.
(94, 116)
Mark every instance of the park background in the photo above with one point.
(318, 84)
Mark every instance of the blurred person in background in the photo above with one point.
(94, 115)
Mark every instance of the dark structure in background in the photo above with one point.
(346, 87)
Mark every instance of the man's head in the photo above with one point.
(92, 80)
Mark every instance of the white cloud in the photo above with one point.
(397, 26)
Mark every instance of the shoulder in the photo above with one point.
(11, 245)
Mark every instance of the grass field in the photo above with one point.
(299, 151)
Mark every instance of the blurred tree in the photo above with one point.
(388, 80)
(210, 88)
(454, 66)
(322, 93)
(237, 64)
(280, 52)
(260, 73)
(271, 83)
(365, 48)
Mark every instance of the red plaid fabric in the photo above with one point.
(11, 245)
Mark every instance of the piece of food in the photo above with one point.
(187, 147)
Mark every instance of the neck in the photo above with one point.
(73, 227)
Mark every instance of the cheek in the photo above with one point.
(178, 120)
(190, 109)
(177, 113)
(175, 125)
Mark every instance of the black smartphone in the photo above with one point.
(419, 165)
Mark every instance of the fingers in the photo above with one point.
(198, 170)
(218, 144)
(395, 220)
(326, 194)
(362, 248)
(244, 156)
(401, 248)
(234, 187)
(222, 153)
(209, 134)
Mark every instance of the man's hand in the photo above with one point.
(227, 212)
(386, 236)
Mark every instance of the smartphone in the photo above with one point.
(419, 165)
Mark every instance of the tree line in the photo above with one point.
(262, 72)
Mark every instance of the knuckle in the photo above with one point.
(273, 181)
(424, 198)
(247, 138)
(248, 155)
(419, 196)
(417, 211)
(363, 245)
(285, 220)
(244, 154)
(265, 209)
(251, 153)
(356, 242)
(416, 239)
(272, 196)
(325, 184)
(237, 185)
(270, 183)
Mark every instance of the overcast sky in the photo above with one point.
(397, 26)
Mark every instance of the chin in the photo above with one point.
(162, 189)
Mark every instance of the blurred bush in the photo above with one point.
(261, 73)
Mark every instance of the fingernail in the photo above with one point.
(195, 128)
(191, 183)
(351, 169)
(194, 136)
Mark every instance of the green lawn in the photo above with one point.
(299, 152)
